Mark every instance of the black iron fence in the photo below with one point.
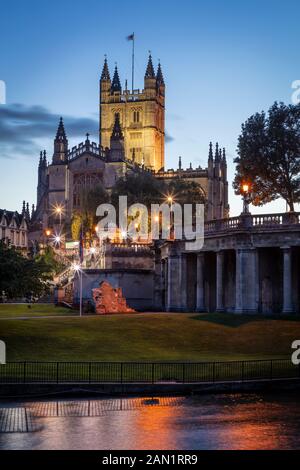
(145, 372)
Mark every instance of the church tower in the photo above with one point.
(217, 194)
(141, 115)
(58, 173)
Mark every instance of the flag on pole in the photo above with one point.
(130, 37)
(81, 247)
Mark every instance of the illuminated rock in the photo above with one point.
(110, 300)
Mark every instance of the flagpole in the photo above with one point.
(133, 51)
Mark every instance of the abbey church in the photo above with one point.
(131, 139)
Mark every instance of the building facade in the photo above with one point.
(248, 264)
(14, 227)
(132, 139)
(141, 114)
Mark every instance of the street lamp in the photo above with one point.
(77, 269)
(170, 201)
(58, 210)
(57, 239)
(246, 197)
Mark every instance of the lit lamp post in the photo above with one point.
(58, 211)
(48, 234)
(77, 268)
(170, 201)
(246, 197)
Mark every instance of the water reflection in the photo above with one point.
(203, 422)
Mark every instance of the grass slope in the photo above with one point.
(33, 310)
(149, 337)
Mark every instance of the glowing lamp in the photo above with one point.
(76, 267)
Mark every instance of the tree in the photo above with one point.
(20, 276)
(145, 189)
(142, 188)
(269, 155)
(86, 217)
(185, 192)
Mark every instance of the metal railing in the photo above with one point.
(145, 372)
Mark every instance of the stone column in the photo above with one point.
(287, 281)
(246, 281)
(200, 307)
(219, 281)
(183, 282)
(173, 284)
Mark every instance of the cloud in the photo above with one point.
(22, 127)
(168, 138)
(25, 130)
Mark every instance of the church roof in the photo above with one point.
(10, 215)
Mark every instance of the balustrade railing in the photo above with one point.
(249, 221)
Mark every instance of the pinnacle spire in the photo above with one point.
(116, 84)
(180, 163)
(217, 154)
(224, 154)
(105, 71)
(159, 76)
(61, 133)
(41, 158)
(117, 133)
(210, 154)
(150, 69)
(60, 145)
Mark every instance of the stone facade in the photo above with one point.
(132, 139)
(14, 228)
(137, 286)
(141, 114)
(249, 264)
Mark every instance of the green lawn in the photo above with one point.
(147, 337)
(33, 310)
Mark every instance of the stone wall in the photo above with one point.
(137, 286)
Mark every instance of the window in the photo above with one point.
(136, 116)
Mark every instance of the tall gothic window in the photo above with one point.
(136, 116)
(84, 182)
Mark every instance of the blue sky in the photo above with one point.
(222, 60)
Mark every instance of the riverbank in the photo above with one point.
(9, 391)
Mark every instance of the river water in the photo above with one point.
(235, 421)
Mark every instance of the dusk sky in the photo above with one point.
(222, 61)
